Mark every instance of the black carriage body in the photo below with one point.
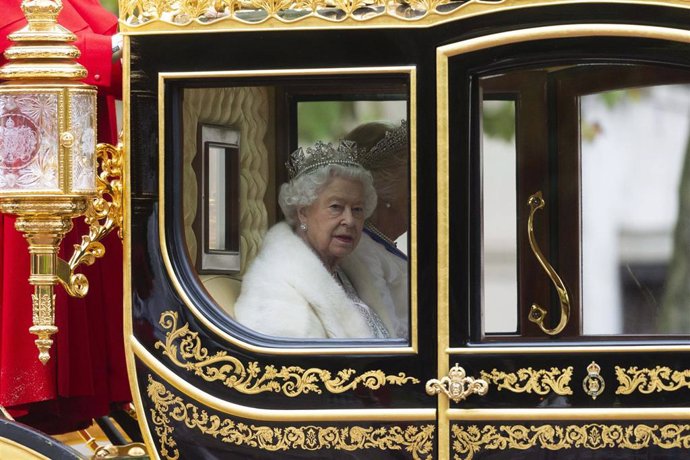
(207, 387)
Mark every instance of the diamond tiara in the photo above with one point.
(392, 141)
(303, 161)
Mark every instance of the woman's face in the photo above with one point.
(334, 220)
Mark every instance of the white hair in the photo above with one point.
(303, 190)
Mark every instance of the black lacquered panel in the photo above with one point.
(185, 428)
(627, 380)
(182, 341)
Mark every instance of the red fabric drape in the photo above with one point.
(87, 371)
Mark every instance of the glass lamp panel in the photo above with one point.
(29, 142)
(83, 128)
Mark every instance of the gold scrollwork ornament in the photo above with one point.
(456, 385)
(647, 381)
(594, 383)
(185, 350)
(538, 381)
(417, 439)
(467, 441)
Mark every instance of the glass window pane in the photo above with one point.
(499, 217)
(634, 253)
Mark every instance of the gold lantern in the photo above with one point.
(48, 159)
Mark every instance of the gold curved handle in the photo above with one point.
(537, 314)
(456, 385)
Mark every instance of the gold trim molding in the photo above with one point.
(418, 440)
(538, 381)
(470, 440)
(185, 350)
(243, 13)
(648, 381)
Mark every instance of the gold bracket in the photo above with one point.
(456, 385)
(129, 451)
(103, 214)
(594, 383)
(537, 314)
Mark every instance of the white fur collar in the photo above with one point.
(285, 259)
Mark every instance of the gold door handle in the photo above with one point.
(456, 385)
(537, 314)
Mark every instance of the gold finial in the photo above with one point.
(42, 49)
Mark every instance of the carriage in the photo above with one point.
(547, 244)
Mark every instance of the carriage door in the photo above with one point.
(564, 230)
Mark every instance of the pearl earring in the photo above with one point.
(303, 227)
(388, 205)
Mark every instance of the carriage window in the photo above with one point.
(297, 202)
(584, 181)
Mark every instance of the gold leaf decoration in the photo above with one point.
(310, 5)
(426, 5)
(418, 440)
(272, 7)
(195, 8)
(647, 381)
(467, 441)
(539, 381)
(349, 6)
(185, 350)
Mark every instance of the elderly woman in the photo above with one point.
(296, 286)
(386, 155)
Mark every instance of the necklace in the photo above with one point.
(369, 226)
